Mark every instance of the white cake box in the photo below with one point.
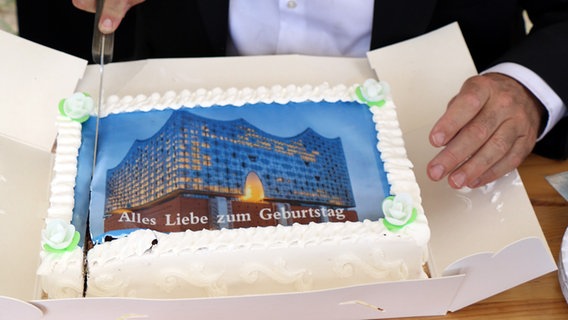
(484, 241)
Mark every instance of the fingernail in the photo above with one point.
(458, 179)
(437, 172)
(438, 138)
(106, 26)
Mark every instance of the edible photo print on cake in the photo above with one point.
(233, 167)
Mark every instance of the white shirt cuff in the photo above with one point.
(542, 91)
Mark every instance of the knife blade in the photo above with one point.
(102, 51)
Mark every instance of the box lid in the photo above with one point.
(34, 79)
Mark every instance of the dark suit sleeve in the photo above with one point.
(545, 51)
(555, 144)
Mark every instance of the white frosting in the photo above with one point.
(203, 98)
(253, 260)
(64, 169)
(241, 261)
(61, 274)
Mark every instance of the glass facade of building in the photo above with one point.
(201, 157)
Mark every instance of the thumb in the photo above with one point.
(113, 13)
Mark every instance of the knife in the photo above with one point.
(101, 50)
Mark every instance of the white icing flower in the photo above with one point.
(373, 92)
(399, 210)
(77, 107)
(59, 235)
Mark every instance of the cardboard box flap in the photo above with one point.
(38, 78)
(374, 301)
(24, 191)
(17, 309)
(467, 222)
(163, 75)
(424, 74)
(490, 273)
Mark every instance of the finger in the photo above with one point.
(512, 160)
(86, 5)
(113, 13)
(469, 138)
(495, 140)
(498, 147)
(461, 109)
(523, 113)
(460, 150)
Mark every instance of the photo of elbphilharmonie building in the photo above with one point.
(228, 172)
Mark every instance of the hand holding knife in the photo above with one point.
(103, 44)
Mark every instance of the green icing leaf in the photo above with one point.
(394, 228)
(70, 247)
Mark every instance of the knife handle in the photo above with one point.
(103, 44)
